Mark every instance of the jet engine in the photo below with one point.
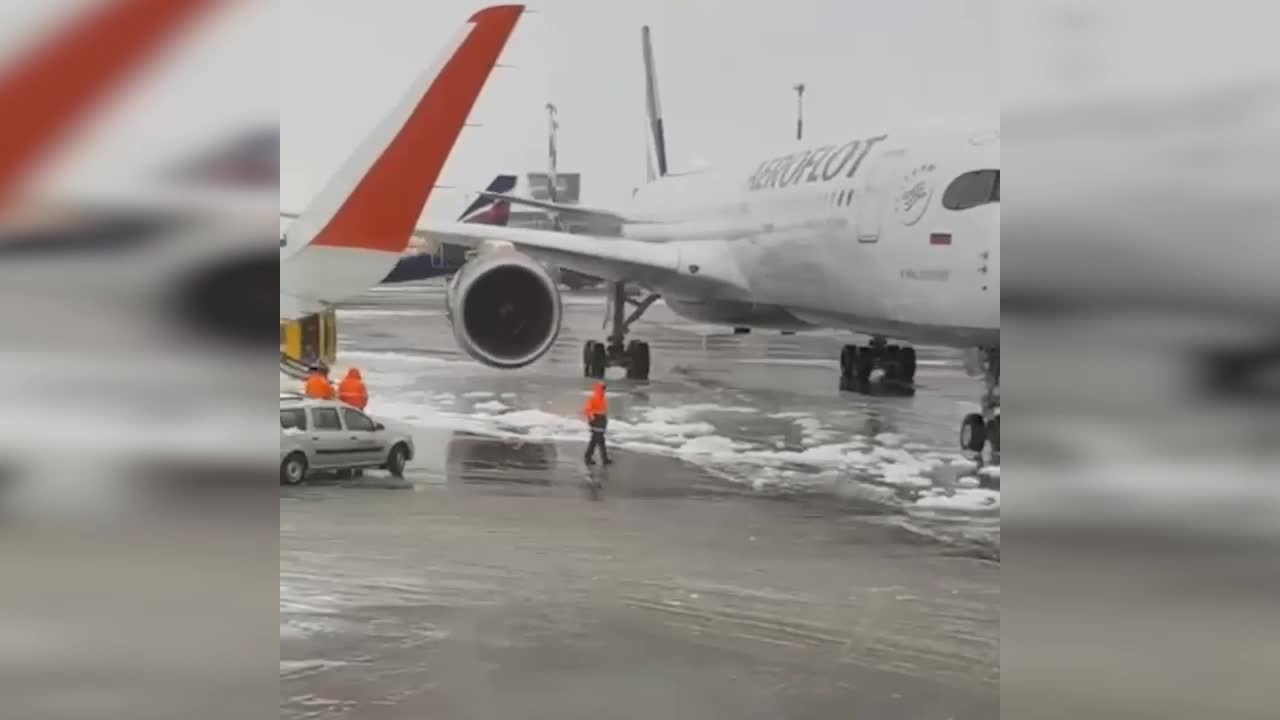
(504, 307)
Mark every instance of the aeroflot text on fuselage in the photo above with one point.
(821, 163)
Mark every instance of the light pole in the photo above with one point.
(799, 88)
(552, 127)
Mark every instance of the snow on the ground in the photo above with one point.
(885, 460)
(962, 499)
(891, 439)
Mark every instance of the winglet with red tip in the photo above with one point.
(400, 163)
(354, 231)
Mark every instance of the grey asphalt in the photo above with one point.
(764, 547)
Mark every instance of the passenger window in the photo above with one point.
(326, 418)
(972, 189)
(293, 418)
(356, 420)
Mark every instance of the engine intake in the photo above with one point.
(505, 308)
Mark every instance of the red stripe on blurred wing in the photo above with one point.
(53, 88)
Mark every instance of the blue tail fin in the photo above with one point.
(448, 258)
(487, 211)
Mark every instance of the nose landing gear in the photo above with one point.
(980, 429)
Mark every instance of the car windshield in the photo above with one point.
(293, 418)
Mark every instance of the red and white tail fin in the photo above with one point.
(354, 231)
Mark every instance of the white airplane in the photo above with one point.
(892, 234)
(359, 226)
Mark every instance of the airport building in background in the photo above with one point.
(569, 192)
(538, 187)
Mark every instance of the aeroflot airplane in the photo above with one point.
(357, 229)
(894, 234)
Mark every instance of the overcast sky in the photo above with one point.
(725, 73)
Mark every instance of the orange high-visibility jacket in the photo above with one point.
(597, 404)
(318, 386)
(352, 390)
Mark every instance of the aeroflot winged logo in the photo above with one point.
(820, 164)
(913, 198)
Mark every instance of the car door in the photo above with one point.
(328, 437)
(368, 447)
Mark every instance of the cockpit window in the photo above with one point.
(972, 189)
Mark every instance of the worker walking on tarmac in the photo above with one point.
(352, 390)
(318, 385)
(597, 413)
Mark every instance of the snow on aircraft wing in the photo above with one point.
(699, 267)
(606, 216)
(611, 258)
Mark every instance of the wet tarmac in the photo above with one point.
(763, 546)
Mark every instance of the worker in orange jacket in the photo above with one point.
(318, 385)
(597, 414)
(352, 390)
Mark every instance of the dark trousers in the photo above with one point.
(597, 441)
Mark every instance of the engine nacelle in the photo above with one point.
(504, 307)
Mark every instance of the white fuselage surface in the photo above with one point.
(850, 234)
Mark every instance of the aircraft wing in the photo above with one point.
(351, 234)
(592, 214)
(697, 266)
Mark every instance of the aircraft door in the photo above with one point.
(872, 199)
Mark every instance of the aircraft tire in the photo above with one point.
(598, 362)
(973, 433)
(637, 360)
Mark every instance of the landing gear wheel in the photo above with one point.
(847, 355)
(294, 469)
(741, 330)
(908, 364)
(594, 360)
(864, 361)
(973, 433)
(891, 361)
(637, 360)
(993, 435)
(396, 461)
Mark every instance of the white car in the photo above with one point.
(332, 435)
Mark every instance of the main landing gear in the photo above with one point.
(978, 429)
(634, 355)
(898, 363)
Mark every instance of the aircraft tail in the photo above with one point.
(486, 210)
(656, 155)
(354, 231)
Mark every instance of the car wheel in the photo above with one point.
(293, 469)
(396, 460)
